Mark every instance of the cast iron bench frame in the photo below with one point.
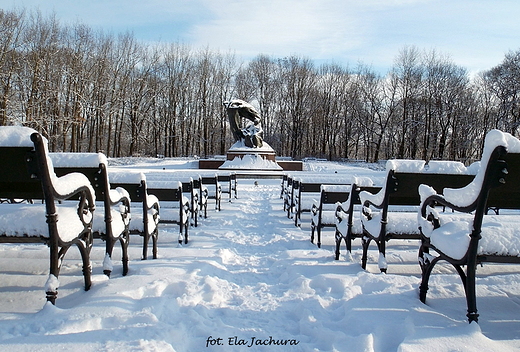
(98, 177)
(28, 177)
(500, 189)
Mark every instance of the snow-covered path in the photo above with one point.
(249, 277)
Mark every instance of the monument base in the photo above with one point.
(241, 157)
(214, 164)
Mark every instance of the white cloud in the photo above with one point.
(277, 27)
(475, 33)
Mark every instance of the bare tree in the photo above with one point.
(11, 29)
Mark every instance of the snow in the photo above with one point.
(16, 136)
(250, 162)
(78, 159)
(26, 219)
(248, 276)
(401, 165)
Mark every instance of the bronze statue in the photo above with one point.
(252, 134)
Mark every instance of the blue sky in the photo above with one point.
(475, 34)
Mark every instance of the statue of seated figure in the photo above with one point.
(252, 133)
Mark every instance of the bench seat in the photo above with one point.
(170, 211)
(28, 220)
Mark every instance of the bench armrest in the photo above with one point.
(119, 196)
(428, 215)
(315, 208)
(152, 201)
(376, 200)
(71, 184)
(342, 211)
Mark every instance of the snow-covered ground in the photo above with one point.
(247, 281)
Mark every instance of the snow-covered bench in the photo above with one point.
(228, 184)
(189, 190)
(323, 212)
(175, 206)
(288, 195)
(213, 188)
(347, 215)
(305, 194)
(203, 196)
(192, 189)
(307, 191)
(144, 221)
(468, 236)
(283, 190)
(392, 212)
(28, 174)
(112, 218)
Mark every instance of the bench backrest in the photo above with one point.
(18, 177)
(508, 195)
(197, 182)
(187, 186)
(167, 194)
(137, 191)
(402, 187)
(96, 175)
(209, 180)
(309, 187)
(332, 197)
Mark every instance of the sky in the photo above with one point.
(475, 34)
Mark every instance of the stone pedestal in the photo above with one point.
(242, 157)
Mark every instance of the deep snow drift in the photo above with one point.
(249, 280)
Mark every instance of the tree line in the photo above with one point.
(88, 91)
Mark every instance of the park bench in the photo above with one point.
(192, 189)
(347, 215)
(189, 190)
(283, 190)
(303, 196)
(32, 210)
(112, 218)
(144, 222)
(228, 184)
(175, 206)
(203, 196)
(392, 212)
(287, 194)
(323, 212)
(214, 189)
(290, 186)
(306, 191)
(470, 235)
